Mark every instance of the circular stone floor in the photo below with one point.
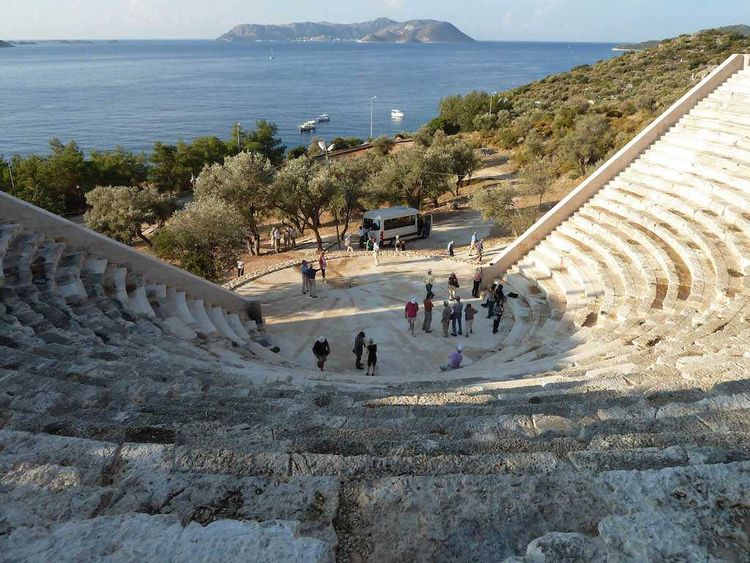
(361, 296)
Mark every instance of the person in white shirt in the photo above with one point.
(473, 243)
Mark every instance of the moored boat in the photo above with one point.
(308, 126)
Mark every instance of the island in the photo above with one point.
(4, 44)
(27, 42)
(381, 30)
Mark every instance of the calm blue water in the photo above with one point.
(136, 92)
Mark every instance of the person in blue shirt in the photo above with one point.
(454, 359)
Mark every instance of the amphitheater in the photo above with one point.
(143, 416)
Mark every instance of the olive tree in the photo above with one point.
(348, 178)
(588, 142)
(413, 175)
(243, 181)
(121, 211)
(205, 238)
(463, 160)
(538, 176)
(498, 204)
(302, 192)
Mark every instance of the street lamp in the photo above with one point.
(326, 149)
(492, 97)
(371, 100)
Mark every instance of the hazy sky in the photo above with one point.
(568, 20)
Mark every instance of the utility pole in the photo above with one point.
(371, 100)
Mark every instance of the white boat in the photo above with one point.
(397, 114)
(323, 118)
(308, 126)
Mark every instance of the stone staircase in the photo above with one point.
(138, 422)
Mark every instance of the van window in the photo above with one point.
(400, 222)
(371, 224)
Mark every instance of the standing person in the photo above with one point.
(376, 252)
(452, 286)
(372, 356)
(323, 262)
(410, 313)
(477, 279)
(429, 281)
(305, 280)
(450, 249)
(445, 318)
(454, 359)
(480, 250)
(473, 243)
(369, 244)
(362, 236)
(490, 304)
(240, 267)
(348, 243)
(428, 306)
(273, 238)
(498, 315)
(277, 240)
(321, 350)
(311, 283)
(397, 244)
(359, 348)
(469, 314)
(500, 295)
(456, 318)
(292, 236)
(285, 236)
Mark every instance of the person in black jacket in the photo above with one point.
(322, 350)
(372, 356)
(358, 350)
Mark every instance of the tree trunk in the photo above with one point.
(143, 238)
(318, 238)
(338, 234)
(457, 191)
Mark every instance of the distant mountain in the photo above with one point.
(4, 44)
(52, 42)
(743, 30)
(418, 31)
(381, 30)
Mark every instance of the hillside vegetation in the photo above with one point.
(566, 124)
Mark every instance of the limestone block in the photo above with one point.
(177, 305)
(217, 318)
(142, 537)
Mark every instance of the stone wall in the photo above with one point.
(155, 271)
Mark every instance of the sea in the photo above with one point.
(133, 93)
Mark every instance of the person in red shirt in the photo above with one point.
(323, 262)
(427, 323)
(411, 314)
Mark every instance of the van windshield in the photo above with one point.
(371, 224)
